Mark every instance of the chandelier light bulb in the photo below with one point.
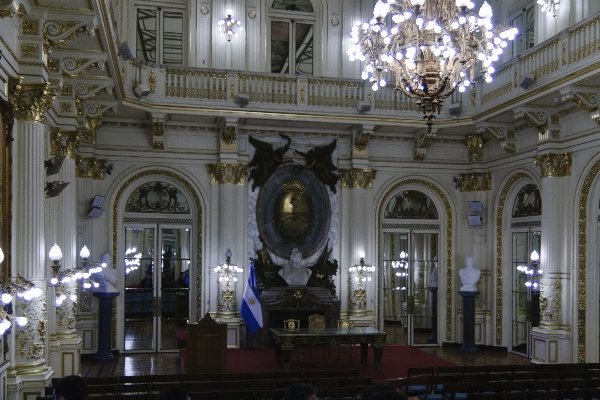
(6, 298)
(21, 321)
(84, 253)
(73, 297)
(534, 257)
(55, 253)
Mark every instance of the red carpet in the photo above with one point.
(396, 361)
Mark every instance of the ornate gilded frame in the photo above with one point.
(449, 245)
(6, 113)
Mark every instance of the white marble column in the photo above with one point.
(551, 342)
(64, 351)
(29, 255)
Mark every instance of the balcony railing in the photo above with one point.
(572, 50)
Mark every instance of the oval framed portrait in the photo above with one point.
(293, 211)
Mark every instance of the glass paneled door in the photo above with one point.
(525, 296)
(157, 262)
(410, 286)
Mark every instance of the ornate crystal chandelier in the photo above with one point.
(228, 25)
(549, 6)
(433, 48)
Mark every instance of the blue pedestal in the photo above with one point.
(468, 322)
(434, 325)
(104, 352)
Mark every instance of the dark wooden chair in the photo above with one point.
(416, 381)
(134, 379)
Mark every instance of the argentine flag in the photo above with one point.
(251, 311)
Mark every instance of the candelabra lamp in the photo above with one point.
(358, 276)
(226, 302)
(20, 287)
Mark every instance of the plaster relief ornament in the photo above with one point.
(469, 276)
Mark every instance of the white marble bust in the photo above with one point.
(107, 278)
(469, 276)
(295, 274)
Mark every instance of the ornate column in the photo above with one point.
(30, 101)
(230, 196)
(64, 350)
(551, 342)
(361, 294)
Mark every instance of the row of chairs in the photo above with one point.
(276, 394)
(460, 391)
(220, 377)
(415, 384)
(569, 394)
(225, 386)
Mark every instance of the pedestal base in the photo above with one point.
(468, 322)
(105, 301)
(551, 346)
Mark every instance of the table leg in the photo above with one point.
(378, 346)
(364, 350)
(286, 348)
(278, 354)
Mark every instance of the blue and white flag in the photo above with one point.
(251, 310)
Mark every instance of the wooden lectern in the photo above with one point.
(206, 346)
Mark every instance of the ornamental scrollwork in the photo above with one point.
(550, 302)
(8, 8)
(411, 204)
(583, 101)
(157, 197)
(30, 338)
(75, 67)
(59, 33)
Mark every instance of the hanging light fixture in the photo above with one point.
(23, 289)
(228, 25)
(549, 6)
(433, 48)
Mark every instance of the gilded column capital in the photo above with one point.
(357, 178)
(475, 181)
(8, 118)
(475, 145)
(65, 143)
(227, 173)
(556, 165)
(90, 168)
(30, 101)
(59, 33)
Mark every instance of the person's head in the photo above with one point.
(301, 391)
(70, 387)
(177, 393)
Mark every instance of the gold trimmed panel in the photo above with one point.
(499, 258)
(449, 244)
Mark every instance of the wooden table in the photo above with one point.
(286, 340)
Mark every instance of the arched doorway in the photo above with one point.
(156, 263)
(410, 251)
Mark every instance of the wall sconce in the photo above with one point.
(23, 289)
(358, 275)
(227, 26)
(61, 279)
(534, 272)
(226, 306)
